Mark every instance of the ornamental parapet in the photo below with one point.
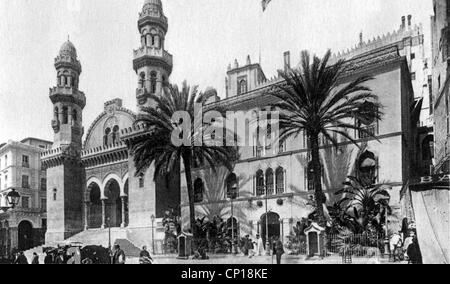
(101, 156)
(138, 131)
(147, 55)
(57, 156)
(153, 17)
(67, 94)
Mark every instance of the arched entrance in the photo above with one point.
(113, 204)
(95, 206)
(270, 226)
(25, 235)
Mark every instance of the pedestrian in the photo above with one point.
(408, 241)
(145, 257)
(35, 259)
(279, 250)
(60, 258)
(21, 259)
(259, 245)
(251, 248)
(48, 258)
(414, 254)
(119, 255)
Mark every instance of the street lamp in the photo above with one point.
(153, 233)
(232, 196)
(12, 198)
(267, 228)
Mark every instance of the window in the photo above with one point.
(153, 82)
(44, 204)
(141, 181)
(242, 87)
(43, 184)
(6, 160)
(6, 181)
(25, 161)
(368, 124)
(55, 194)
(198, 190)
(74, 116)
(413, 76)
(142, 80)
(310, 176)
(282, 146)
(56, 113)
(25, 202)
(260, 188)
(44, 223)
(25, 182)
(232, 187)
(269, 182)
(280, 180)
(115, 135)
(106, 136)
(413, 56)
(65, 115)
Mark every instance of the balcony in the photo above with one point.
(146, 52)
(67, 94)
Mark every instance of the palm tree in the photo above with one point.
(313, 100)
(158, 148)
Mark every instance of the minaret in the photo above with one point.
(65, 174)
(152, 63)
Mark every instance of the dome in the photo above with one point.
(68, 49)
(153, 7)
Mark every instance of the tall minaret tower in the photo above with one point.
(65, 174)
(152, 63)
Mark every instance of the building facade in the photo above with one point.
(20, 168)
(441, 94)
(92, 184)
(274, 183)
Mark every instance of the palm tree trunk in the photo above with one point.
(187, 168)
(319, 196)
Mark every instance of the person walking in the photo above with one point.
(21, 259)
(145, 257)
(119, 255)
(35, 259)
(279, 250)
(251, 248)
(48, 258)
(259, 245)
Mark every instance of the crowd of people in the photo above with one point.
(405, 248)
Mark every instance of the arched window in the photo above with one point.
(65, 113)
(56, 112)
(63, 81)
(242, 87)
(74, 116)
(367, 168)
(59, 80)
(280, 180)
(198, 190)
(310, 176)
(153, 82)
(260, 188)
(269, 182)
(106, 136)
(369, 124)
(142, 80)
(115, 135)
(148, 40)
(141, 181)
(55, 191)
(428, 148)
(232, 187)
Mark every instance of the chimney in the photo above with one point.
(248, 60)
(403, 22)
(361, 38)
(287, 61)
(409, 21)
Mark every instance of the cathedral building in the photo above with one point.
(92, 185)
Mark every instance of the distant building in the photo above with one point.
(20, 168)
(440, 31)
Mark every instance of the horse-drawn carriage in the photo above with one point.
(80, 253)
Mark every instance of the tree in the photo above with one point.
(313, 100)
(157, 148)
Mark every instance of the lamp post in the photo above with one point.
(268, 253)
(12, 198)
(233, 196)
(153, 233)
(386, 238)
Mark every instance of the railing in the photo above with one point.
(154, 52)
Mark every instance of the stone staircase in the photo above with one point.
(98, 237)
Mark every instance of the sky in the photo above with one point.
(204, 36)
